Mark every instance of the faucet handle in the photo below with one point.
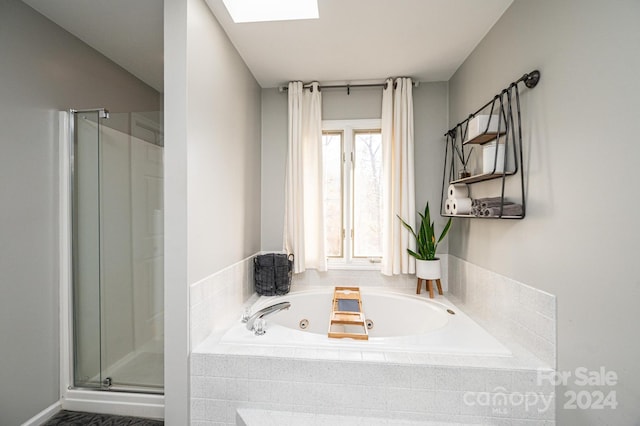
(246, 314)
(259, 327)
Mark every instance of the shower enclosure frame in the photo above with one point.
(71, 397)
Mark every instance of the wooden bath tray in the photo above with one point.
(347, 318)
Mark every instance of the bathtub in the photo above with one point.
(400, 322)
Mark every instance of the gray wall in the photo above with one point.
(579, 239)
(43, 70)
(224, 149)
(212, 173)
(430, 121)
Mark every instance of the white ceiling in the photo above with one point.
(359, 40)
(129, 32)
(353, 41)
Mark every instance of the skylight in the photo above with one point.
(271, 10)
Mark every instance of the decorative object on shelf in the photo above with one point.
(458, 201)
(492, 161)
(427, 264)
(464, 173)
(507, 210)
(448, 206)
(483, 126)
(497, 127)
(461, 206)
(494, 207)
(460, 190)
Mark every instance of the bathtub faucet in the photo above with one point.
(269, 310)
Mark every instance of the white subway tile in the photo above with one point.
(448, 402)
(387, 375)
(545, 304)
(198, 409)
(545, 327)
(404, 399)
(208, 387)
(398, 357)
(473, 379)
(423, 377)
(448, 379)
(346, 355)
(219, 410)
(237, 389)
(532, 381)
(348, 373)
(268, 391)
(374, 397)
(528, 295)
(259, 368)
(373, 356)
(229, 366)
(310, 371)
(502, 378)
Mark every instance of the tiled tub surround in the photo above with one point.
(384, 389)
(379, 383)
(216, 301)
(383, 384)
(510, 310)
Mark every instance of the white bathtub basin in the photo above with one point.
(393, 315)
(401, 322)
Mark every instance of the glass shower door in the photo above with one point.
(86, 250)
(119, 258)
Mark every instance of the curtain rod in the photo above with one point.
(345, 86)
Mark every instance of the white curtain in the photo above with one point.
(398, 176)
(304, 213)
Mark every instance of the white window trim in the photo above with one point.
(348, 127)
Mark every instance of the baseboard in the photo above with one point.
(115, 403)
(44, 415)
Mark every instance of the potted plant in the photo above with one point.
(427, 264)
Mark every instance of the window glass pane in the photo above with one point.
(332, 165)
(367, 194)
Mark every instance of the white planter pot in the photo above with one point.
(428, 269)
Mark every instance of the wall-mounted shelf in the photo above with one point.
(483, 138)
(481, 177)
(498, 122)
(470, 216)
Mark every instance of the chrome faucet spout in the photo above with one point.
(269, 310)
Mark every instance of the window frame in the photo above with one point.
(348, 129)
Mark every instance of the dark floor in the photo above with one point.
(76, 418)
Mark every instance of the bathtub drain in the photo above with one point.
(304, 323)
(369, 324)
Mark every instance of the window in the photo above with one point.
(352, 159)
